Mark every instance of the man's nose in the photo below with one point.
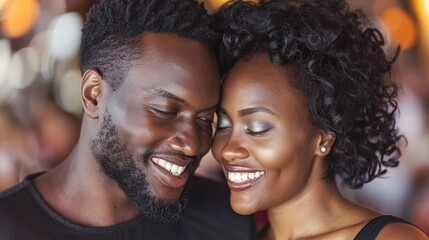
(186, 139)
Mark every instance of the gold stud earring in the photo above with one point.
(323, 149)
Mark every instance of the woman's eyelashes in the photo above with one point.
(223, 123)
(258, 129)
(254, 128)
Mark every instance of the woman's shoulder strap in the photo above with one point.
(373, 227)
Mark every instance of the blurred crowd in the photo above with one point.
(39, 84)
(40, 102)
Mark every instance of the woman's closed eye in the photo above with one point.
(258, 129)
(223, 123)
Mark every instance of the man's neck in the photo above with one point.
(82, 194)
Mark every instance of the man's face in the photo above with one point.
(158, 125)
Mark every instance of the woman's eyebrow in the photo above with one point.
(248, 111)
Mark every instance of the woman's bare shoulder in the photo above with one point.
(401, 231)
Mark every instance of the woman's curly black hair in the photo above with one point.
(111, 34)
(340, 69)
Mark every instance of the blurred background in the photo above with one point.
(40, 107)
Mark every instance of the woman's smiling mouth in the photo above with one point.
(240, 178)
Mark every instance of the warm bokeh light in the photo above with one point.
(22, 67)
(426, 4)
(19, 17)
(5, 56)
(215, 4)
(65, 35)
(400, 26)
(69, 92)
(2, 4)
(421, 7)
(379, 6)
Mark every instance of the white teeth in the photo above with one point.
(161, 162)
(231, 176)
(237, 177)
(252, 175)
(168, 166)
(174, 169)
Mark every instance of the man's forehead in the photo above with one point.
(167, 43)
(172, 67)
(165, 94)
(163, 53)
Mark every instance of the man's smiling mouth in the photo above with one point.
(174, 169)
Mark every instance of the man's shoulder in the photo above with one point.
(20, 197)
(13, 194)
(14, 204)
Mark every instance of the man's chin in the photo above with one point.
(165, 212)
(169, 197)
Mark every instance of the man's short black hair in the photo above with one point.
(111, 36)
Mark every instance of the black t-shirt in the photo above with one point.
(25, 216)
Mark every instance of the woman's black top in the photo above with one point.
(373, 227)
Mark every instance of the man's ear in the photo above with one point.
(325, 143)
(90, 88)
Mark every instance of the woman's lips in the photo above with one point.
(242, 180)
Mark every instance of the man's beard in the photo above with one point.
(117, 163)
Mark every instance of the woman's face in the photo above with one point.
(265, 141)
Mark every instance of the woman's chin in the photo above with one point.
(243, 208)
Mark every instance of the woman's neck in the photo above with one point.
(317, 210)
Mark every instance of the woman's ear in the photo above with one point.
(91, 86)
(326, 141)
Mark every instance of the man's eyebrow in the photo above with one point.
(166, 94)
(248, 111)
